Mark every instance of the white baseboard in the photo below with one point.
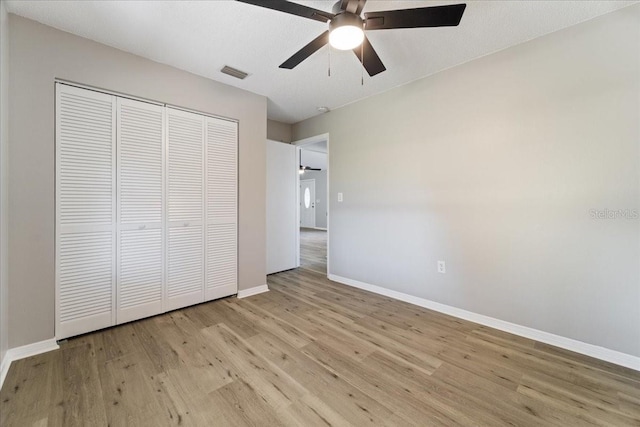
(253, 291)
(28, 350)
(595, 351)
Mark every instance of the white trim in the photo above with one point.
(608, 355)
(28, 350)
(138, 98)
(297, 208)
(244, 293)
(4, 368)
(106, 91)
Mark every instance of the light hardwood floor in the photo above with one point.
(313, 250)
(313, 353)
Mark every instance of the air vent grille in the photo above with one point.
(233, 72)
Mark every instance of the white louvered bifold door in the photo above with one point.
(85, 210)
(221, 247)
(140, 266)
(185, 190)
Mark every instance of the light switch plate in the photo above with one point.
(340, 197)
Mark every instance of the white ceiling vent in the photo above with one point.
(234, 72)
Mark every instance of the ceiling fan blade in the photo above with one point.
(292, 8)
(435, 16)
(306, 51)
(372, 62)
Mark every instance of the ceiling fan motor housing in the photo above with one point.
(346, 19)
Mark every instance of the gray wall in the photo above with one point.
(40, 54)
(278, 131)
(494, 166)
(4, 138)
(321, 195)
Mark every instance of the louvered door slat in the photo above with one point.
(140, 274)
(185, 166)
(140, 282)
(185, 255)
(221, 210)
(85, 210)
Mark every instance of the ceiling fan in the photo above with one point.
(347, 26)
(305, 168)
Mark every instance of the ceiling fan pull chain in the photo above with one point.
(329, 71)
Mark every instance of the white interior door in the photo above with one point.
(282, 179)
(85, 210)
(221, 241)
(140, 160)
(308, 203)
(185, 191)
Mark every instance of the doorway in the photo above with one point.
(313, 203)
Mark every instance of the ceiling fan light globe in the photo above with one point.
(346, 37)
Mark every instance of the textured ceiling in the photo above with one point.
(203, 36)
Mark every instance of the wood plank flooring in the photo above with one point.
(313, 353)
(313, 250)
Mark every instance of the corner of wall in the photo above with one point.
(278, 131)
(4, 134)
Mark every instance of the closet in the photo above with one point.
(146, 209)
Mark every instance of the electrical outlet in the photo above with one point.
(441, 267)
(340, 197)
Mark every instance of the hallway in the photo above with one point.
(313, 250)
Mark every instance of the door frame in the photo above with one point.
(313, 201)
(300, 144)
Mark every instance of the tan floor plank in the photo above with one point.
(275, 386)
(20, 396)
(268, 322)
(117, 342)
(629, 405)
(240, 405)
(572, 371)
(311, 411)
(366, 379)
(351, 403)
(458, 402)
(312, 352)
(84, 402)
(596, 406)
(320, 304)
(125, 391)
